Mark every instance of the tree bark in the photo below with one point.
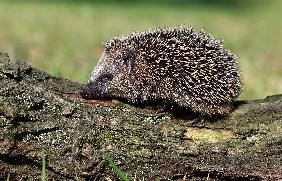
(41, 113)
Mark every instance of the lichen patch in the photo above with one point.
(203, 135)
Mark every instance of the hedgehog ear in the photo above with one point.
(128, 60)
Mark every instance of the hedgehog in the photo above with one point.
(167, 66)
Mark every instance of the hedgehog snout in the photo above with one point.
(88, 91)
(96, 89)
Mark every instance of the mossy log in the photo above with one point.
(41, 113)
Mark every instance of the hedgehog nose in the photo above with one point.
(97, 88)
(87, 91)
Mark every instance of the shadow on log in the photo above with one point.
(39, 112)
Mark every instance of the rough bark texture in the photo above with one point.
(40, 112)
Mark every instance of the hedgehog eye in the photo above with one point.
(128, 60)
(105, 78)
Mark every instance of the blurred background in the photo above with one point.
(65, 38)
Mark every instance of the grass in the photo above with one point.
(65, 39)
(8, 177)
(121, 174)
(43, 171)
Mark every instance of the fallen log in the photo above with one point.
(41, 113)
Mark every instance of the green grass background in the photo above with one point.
(65, 38)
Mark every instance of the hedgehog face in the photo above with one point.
(108, 77)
